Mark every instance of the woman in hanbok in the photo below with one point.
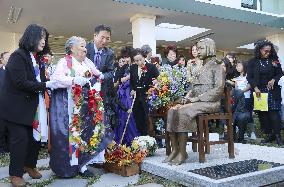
(125, 101)
(78, 133)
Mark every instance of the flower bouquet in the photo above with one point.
(148, 143)
(168, 87)
(124, 160)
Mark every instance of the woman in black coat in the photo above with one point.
(19, 99)
(141, 77)
(264, 72)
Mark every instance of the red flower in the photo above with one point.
(77, 90)
(35, 124)
(75, 120)
(144, 69)
(45, 59)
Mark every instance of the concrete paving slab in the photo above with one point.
(114, 180)
(69, 183)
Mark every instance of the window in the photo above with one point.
(251, 4)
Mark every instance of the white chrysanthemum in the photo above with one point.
(76, 110)
(75, 134)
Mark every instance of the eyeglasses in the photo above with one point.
(266, 51)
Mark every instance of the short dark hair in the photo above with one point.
(126, 51)
(100, 28)
(135, 52)
(169, 48)
(181, 56)
(231, 54)
(31, 38)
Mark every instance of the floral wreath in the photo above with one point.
(96, 109)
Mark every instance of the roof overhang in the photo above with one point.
(215, 11)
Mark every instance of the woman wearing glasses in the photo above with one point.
(264, 72)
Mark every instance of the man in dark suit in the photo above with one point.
(103, 58)
(3, 132)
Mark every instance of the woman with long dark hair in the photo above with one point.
(264, 72)
(24, 82)
(194, 64)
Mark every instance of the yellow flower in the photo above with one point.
(135, 145)
(112, 144)
(94, 140)
(164, 79)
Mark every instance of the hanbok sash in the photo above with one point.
(40, 128)
(73, 146)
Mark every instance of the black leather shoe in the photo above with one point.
(269, 139)
(278, 139)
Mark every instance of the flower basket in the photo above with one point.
(124, 171)
(124, 160)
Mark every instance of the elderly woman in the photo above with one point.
(204, 97)
(78, 134)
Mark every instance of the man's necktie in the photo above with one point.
(98, 59)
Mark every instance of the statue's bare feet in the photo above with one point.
(179, 159)
(171, 156)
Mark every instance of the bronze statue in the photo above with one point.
(204, 97)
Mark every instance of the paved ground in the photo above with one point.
(49, 180)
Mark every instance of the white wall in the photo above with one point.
(271, 6)
(278, 40)
(9, 41)
(281, 7)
